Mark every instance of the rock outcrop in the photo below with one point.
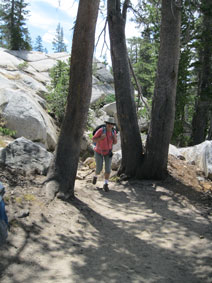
(26, 156)
(200, 155)
(23, 82)
(24, 76)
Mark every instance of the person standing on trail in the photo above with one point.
(104, 138)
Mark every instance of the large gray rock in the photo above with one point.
(100, 90)
(59, 55)
(173, 150)
(207, 159)
(24, 78)
(26, 156)
(8, 61)
(194, 154)
(28, 56)
(110, 109)
(101, 73)
(27, 117)
(97, 118)
(143, 124)
(201, 155)
(6, 83)
(116, 160)
(103, 82)
(32, 83)
(23, 81)
(43, 65)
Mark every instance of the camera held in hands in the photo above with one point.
(110, 153)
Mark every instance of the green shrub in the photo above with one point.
(110, 98)
(144, 112)
(103, 101)
(23, 65)
(58, 90)
(7, 132)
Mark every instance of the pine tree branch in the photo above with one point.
(140, 96)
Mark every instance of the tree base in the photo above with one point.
(52, 188)
(65, 196)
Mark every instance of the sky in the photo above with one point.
(45, 15)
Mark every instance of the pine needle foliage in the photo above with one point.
(58, 90)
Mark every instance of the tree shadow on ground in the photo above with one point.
(203, 198)
(12, 254)
(121, 256)
(150, 246)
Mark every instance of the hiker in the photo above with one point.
(104, 138)
(4, 225)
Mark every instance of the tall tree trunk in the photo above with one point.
(154, 165)
(131, 144)
(63, 171)
(12, 42)
(210, 126)
(200, 121)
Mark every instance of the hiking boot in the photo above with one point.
(94, 180)
(105, 188)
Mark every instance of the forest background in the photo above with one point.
(193, 120)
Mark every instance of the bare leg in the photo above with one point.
(107, 176)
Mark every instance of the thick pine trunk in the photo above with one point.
(200, 121)
(210, 127)
(131, 144)
(64, 169)
(154, 165)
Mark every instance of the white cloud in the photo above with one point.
(48, 36)
(45, 21)
(40, 20)
(68, 6)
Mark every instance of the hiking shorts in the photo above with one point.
(99, 163)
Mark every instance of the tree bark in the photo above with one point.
(131, 144)
(210, 127)
(62, 174)
(200, 121)
(154, 165)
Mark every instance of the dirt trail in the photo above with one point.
(140, 231)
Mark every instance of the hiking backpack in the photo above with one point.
(103, 126)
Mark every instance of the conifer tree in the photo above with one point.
(58, 41)
(13, 30)
(38, 44)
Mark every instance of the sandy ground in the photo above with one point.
(139, 231)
